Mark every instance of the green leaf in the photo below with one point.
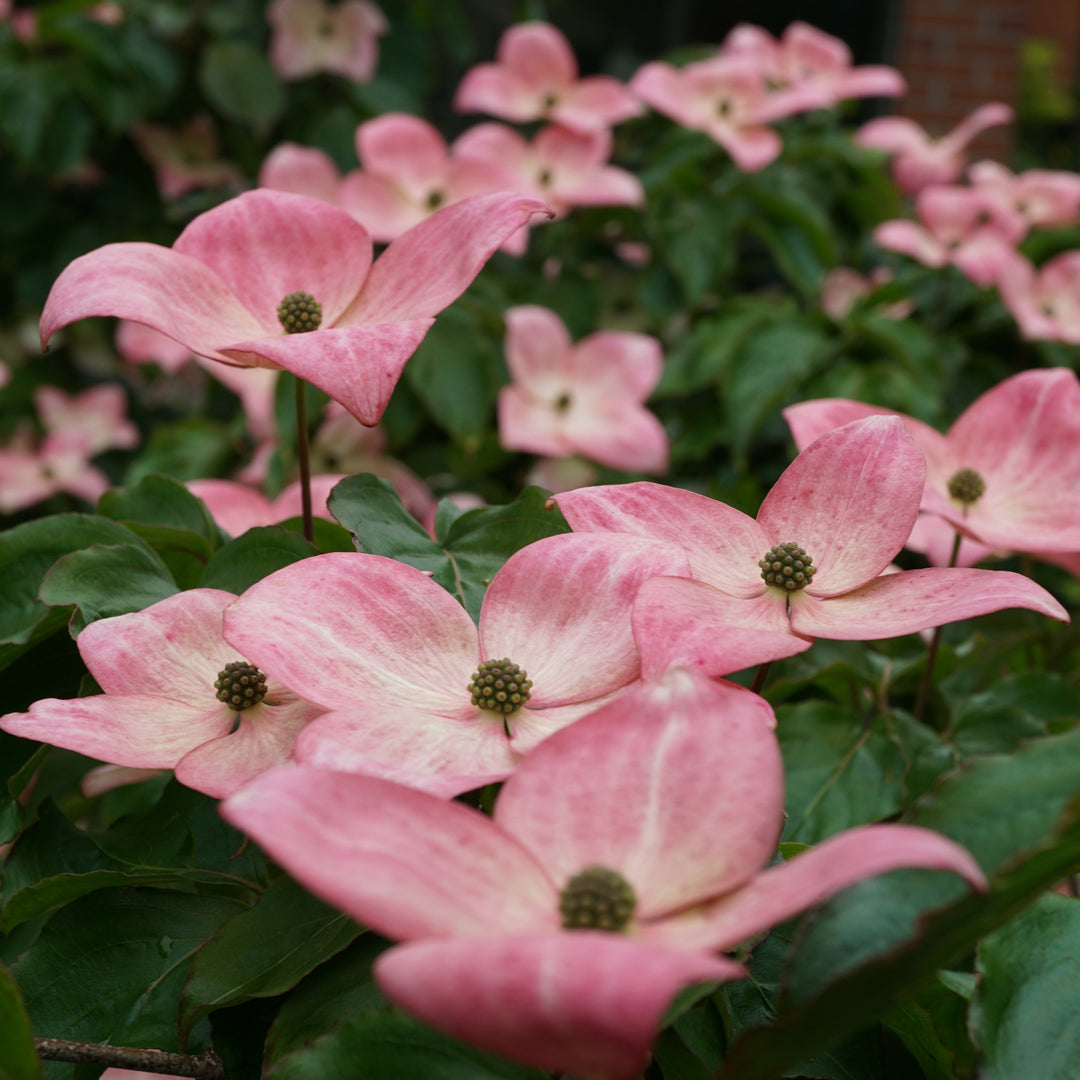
(109, 967)
(187, 450)
(26, 553)
(107, 579)
(1019, 815)
(237, 565)
(696, 238)
(18, 1058)
(456, 372)
(839, 771)
(1026, 1007)
(475, 546)
(933, 1026)
(265, 950)
(241, 84)
(769, 371)
(179, 517)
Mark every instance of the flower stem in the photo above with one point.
(760, 677)
(202, 1066)
(931, 654)
(303, 458)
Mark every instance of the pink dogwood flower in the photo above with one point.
(624, 854)
(814, 561)
(564, 168)
(301, 170)
(311, 36)
(98, 413)
(1044, 301)
(177, 696)
(810, 69)
(586, 399)
(535, 77)
(1006, 474)
(1037, 197)
(237, 507)
(921, 161)
(957, 225)
(241, 272)
(400, 667)
(29, 474)
(139, 344)
(408, 172)
(842, 288)
(185, 159)
(725, 97)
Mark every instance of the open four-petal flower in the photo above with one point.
(161, 708)
(624, 853)
(394, 658)
(220, 287)
(848, 502)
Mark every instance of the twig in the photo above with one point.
(201, 1066)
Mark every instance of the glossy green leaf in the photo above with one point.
(18, 1058)
(933, 1026)
(1026, 1007)
(839, 771)
(241, 83)
(104, 580)
(265, 950)
(237, 565)
(160, 500)
(475, 546)
(109, 967)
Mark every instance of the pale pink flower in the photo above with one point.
(219, 288)
(140, 344)
(160, 709)
(237, 507)
(1019, 443)
(921, 161)
(98, 413)
(670, 800)
(302, 170)
(30, 474)
(186, 158)
(407, 173)
(809, 69)
(726, 97)
(1037, 197)
(842, 288)
(311, 36)
(343, 445)
(535, 77)
(104, 778)
(849, 502)
(957, 225)
(1045, 301)
(391, 654)
(562, 167)
(587, 399)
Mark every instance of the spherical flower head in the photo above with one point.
(299, 312)
(597, 899)
(787, 566)
(500, 686)
(240, 685)
(966, 486)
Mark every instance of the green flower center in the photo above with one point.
(967, 486)
(299, 312)
(500, 686)
(597, 899)
(435, 200)
(787, 567)
(241, 685)
(545, 177)
(562, 403)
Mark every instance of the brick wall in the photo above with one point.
(959, 54)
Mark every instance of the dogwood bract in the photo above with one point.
(624, 853)
(241, 273)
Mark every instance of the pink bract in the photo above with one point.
(301, 170)
(97, 413)
(676, 788)
(921, 161)
(237, 507)
(536, 78)
(185, 159)
(159, 709)
(850, 501)
(311, 36)
(218, 288)
(1022, 438)
(585, 399)
(1037, 197)
(407, 173)
(391, 654)
(1045, 301)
